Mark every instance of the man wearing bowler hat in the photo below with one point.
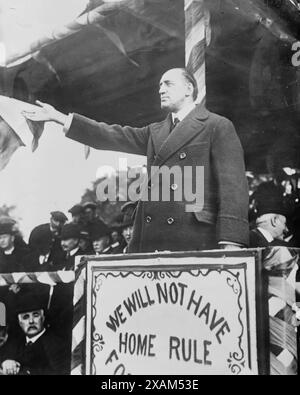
(271, 224)
(38, 351)
(70, 237)
(101, 240)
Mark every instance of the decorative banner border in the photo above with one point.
(155, 267)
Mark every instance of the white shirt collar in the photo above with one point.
(9, 252)
(34, 338)
(73, 252)
(181, 114)
(266, 234)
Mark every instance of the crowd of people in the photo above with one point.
(35, 335)
(53, 246)
(36, 320)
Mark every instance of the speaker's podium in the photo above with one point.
(190, 313)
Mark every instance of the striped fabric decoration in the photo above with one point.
(78, 336)
(197, 38)
(48, 278)
(282, 265)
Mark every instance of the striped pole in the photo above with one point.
(197, 38)
(78, 334)
(282, 265)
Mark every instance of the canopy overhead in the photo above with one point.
(107, 64)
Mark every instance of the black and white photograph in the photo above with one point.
(149, 190)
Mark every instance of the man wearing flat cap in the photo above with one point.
(77, 213)
(38, 351)
(47, 237)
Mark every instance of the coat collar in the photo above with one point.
(166, 143)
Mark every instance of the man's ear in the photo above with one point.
(274, 221)
(190, 90)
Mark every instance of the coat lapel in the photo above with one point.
(160, 133)
(166, 143)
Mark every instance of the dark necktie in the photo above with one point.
(174, 123)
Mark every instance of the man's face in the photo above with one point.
(6, 242)
(100, 244)
(56, 225)
(69, 244)
(115, 236)
(89, 214)
(76, 218)
(127, 233)
(174, 90)
(83, 244)
(32, 323)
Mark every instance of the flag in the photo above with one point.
(197, 38)
(9, 143)
(15, 130)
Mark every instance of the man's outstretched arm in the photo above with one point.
(98, 135)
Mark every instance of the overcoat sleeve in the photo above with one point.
(102, 136)
(233, 196)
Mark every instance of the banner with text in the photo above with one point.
(172, 315)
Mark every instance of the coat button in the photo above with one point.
(148, 219)
(182, 155)
(170, 221)
(174, 187)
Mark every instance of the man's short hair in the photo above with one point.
(189, 76)
(266, 218)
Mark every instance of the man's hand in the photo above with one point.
(10, 368)
(45, 113)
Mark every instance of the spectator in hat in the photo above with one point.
(271, 223)
(128, 211)
(85, 243)
(70, 237)
(91, 219)
(77, 213)
(38, 351)
(49, 234)
(100, 236)
(90, 212)
(12, 256)
(19, 241)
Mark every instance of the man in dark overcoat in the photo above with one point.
(190, 137)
